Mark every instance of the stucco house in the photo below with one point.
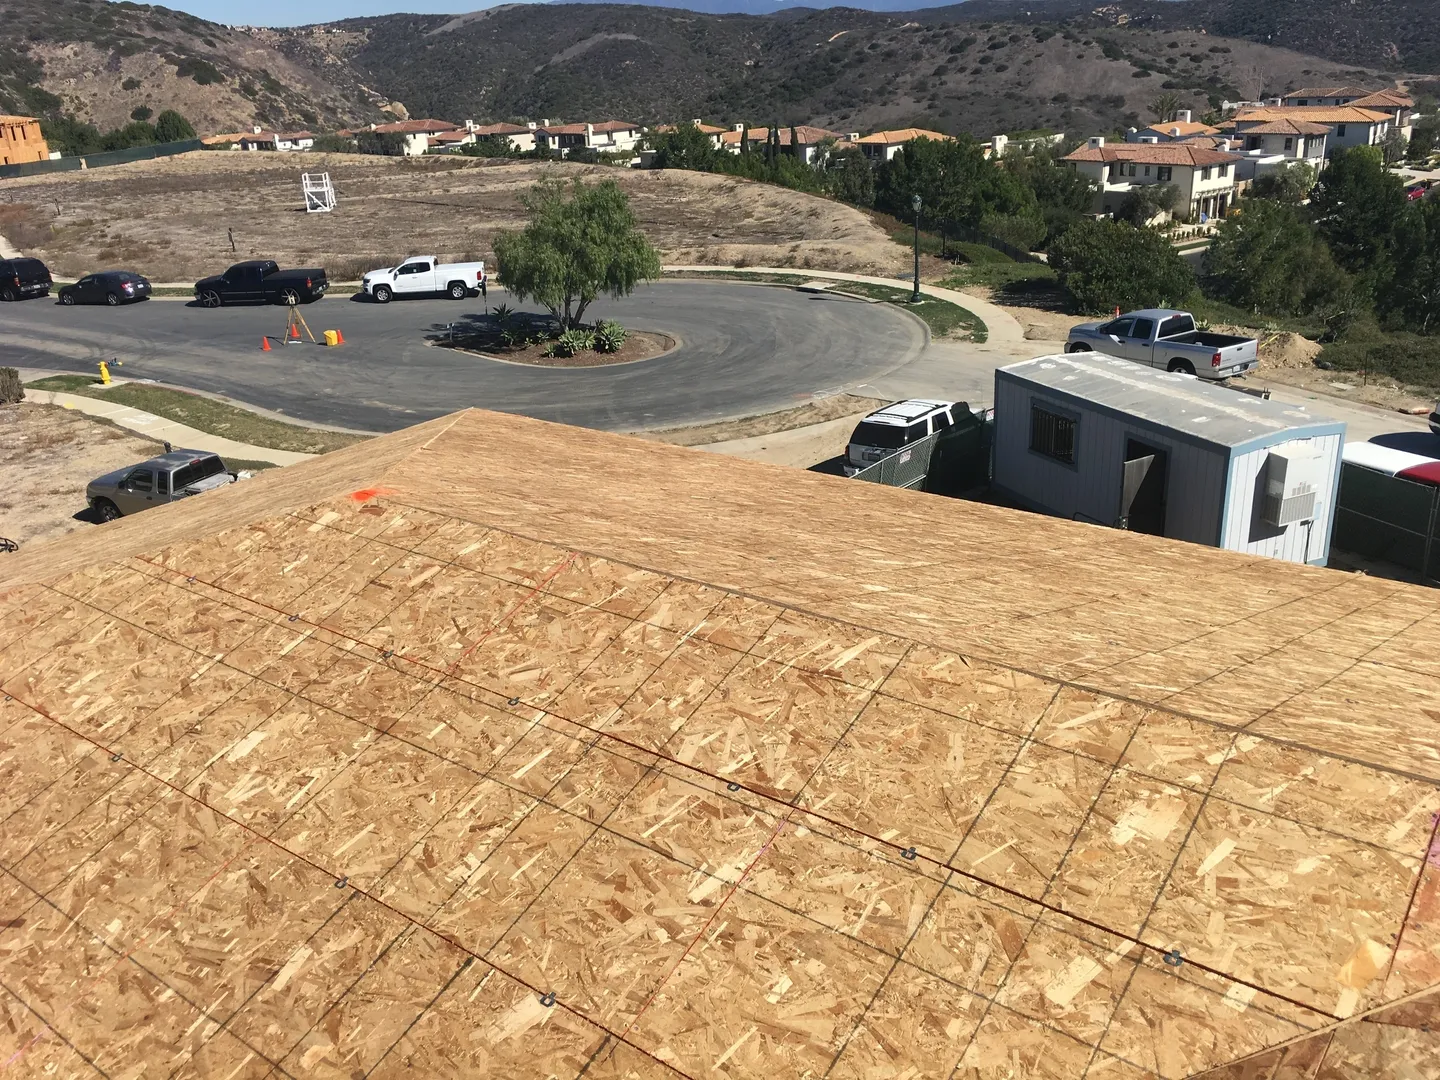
(259, 139)
(807, 137)
(1346, 125)
(1400, 105)
(884, 145)
(1204, 177)
(1182, 127)
(1299, 140)
(609, 136)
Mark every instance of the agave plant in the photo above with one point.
(610, 336)
(503, 314)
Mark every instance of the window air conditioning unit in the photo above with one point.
(1293, 475)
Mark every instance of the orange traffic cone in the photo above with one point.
(339, 338)
(294, 333)
(265, 344)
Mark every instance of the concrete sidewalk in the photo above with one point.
(162, 430)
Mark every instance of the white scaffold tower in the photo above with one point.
(319, 192)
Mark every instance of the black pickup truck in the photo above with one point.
(261, 281)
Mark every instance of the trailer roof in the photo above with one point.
(621, 760)
(1202, 410)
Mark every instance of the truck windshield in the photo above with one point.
(201, 469)
(887, 436)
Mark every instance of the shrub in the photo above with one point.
(10, 389)
(141, 112)
(202, 71)
(1104, 264)
(610, 336)
(1412, 359)
(571, 342)
(130, 84)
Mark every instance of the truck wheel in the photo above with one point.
(7, 295)
(288, 297)
(107, 510)
(210, 298)
(1183, 367)
(458, 291)
(382, 294)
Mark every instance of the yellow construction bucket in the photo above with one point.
(332, 337)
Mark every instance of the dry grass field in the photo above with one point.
(171, 219)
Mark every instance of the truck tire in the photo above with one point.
(106, 510)
(1077, 348)
(211, 298)
(7, 294)
(457, 290)
(287, 297)
(1183, 367)
(382, 294)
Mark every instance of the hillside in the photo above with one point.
(1395, 35)
(97, 61)
(841, 68)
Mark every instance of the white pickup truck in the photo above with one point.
(424, 275)
(1165, 338)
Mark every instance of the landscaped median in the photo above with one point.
(204, 414)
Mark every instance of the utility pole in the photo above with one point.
(915, 296)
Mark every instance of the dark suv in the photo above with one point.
(23, 278)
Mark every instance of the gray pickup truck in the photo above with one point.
(174, 475)
(1162, 338)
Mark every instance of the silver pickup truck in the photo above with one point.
(1162, 338)
(175, 474)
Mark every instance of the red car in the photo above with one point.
(1419, 189)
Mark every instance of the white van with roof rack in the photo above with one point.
(889, 430)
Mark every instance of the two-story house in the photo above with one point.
(259, 139)
(1400, 105)
(1204, 177)
(1346, 125)
(808, 139)
(1297, 140)
(884, 145)
(714, 133)
(610, 136)
(520, 136)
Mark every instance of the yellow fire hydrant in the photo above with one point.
(105, 371)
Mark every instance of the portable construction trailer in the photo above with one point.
(1103, 440)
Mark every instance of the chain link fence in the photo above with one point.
(906, 468)
(1390, 519)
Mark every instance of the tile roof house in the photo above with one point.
(715, 132)
(1169, 132)
(1347, 125)
(520, 136)
(609, 136)
(1205, 177)
(884, 145)
(808, 138)
(381, 764)
(1288, 139)
(258, 139)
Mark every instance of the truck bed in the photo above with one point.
(1207, 339)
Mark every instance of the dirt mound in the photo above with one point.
(1286, 350)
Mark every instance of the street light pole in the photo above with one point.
(915, 296)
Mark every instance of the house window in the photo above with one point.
(1162, 174)
(1130, 170)
(1289, 144)
(1052, 434)
(1147, 170)
(1205, 173)
(1224, 170)
(1340, 131)
(1304, 101)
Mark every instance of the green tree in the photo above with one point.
(1413, 299)
(1291, 183)
(958, 187)
(1358, 206)
(1164, 107)
(132, 134)
(581, 241)
(383, 143)
(1105, 264)
(850, 178)
(490, 146)
(71, 137)
(687, 147)
(1143, 203)
(1394, 146)
(170, 126)
(141, 112)
(1270, 260)
(334, 144)
(1423, 139)
(1062, 194)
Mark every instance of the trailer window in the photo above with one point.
(1052, 434)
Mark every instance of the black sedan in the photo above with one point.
(108, 287)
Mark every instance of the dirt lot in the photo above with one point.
(47, 456)
(170, 219)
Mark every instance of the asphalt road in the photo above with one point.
(743, 350)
